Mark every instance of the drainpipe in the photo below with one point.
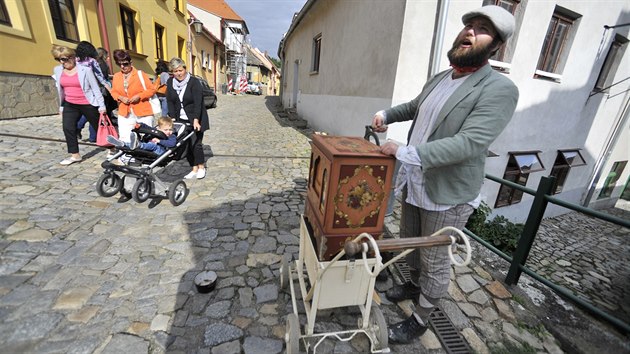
(102, 27)
(434, 66)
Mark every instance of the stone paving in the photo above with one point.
(80, 273)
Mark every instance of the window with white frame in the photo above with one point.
(561, 167)
(204, 62)
(520, 165)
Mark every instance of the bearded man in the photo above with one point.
(456, 117)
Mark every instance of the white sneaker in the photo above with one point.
(191, 174)
(201, 173)
(134, 141)
(115, 141)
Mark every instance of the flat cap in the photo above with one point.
(502, 20)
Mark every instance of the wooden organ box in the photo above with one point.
(348, 189)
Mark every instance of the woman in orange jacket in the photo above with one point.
(132, 97)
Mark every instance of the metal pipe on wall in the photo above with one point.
(434, 65)
(102, 28)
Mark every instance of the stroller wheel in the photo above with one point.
(177, 192)
(292, 335)
(141, 190)
(108, 185)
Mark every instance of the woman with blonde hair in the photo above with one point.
(131, 95)
(184, 98)
(79, 94)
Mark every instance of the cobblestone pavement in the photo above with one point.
(80, 273)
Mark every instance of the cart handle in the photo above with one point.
(364, 249)
(351, 248)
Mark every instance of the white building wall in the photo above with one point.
(210, 21)
(357, 64)
(549, 116)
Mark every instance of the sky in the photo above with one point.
(267, 20)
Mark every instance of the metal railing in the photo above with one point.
(542, 197)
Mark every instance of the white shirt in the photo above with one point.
(410, 173)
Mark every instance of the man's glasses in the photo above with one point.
(124, 63)
(63, 59)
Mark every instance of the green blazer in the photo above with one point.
(453, 158)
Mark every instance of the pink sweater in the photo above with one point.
(72, 88)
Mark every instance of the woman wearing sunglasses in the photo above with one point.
(131, 95)
(79, 94)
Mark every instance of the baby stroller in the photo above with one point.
(138, 179)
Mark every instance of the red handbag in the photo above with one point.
(105, 128)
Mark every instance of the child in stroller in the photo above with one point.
(151, 149)
(158, 143)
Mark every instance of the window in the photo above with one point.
(204, 59)
(4, 14)
(179, 6)
(564, 161)
(519, 166)
(611, 63)
(129, 28)
(181, 47)
(64, 20)
(611, 180)
(317, 47)
(159, 41)
(556, 46)
(516, 8)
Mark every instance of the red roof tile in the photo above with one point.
(217, 7)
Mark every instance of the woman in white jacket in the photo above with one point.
(79, 95)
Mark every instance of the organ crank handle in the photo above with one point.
(437, 239)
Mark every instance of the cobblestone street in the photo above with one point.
(80, 273)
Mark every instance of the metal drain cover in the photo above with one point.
(448, 335)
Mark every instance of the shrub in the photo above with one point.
(500, 232)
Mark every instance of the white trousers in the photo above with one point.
(126, 124)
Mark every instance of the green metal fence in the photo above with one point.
(542, 197)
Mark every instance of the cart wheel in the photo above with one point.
(292, 337)
(177, 192)
(285, 275)
(108, 185)
(378, 327)
(141, 190)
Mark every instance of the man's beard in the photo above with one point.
(475, 56)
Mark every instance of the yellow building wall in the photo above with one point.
(26, 65)
(25, 45)
(31, 34)
(147, 14)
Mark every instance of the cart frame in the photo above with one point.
(340, 283)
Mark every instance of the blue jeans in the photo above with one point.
(81, 124)
(151, 146)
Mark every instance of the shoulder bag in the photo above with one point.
(105, 128)
(156, 106)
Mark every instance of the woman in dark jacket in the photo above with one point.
(184, 97)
